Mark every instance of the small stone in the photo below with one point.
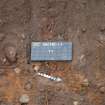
(85, 83)
(102, 89)
(102, 28)
(3, 60)
(84, 29)
(23, 36)
(75, 103)
(82, 60)
(36, 68)
(28, 86)
(60, 37)
(17, 70)
(24, 99)
(84, 2)
(10, 53)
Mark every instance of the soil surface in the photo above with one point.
(79, 21)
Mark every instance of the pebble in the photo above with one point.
(85, 83)
(37, 67)
(28, 86)
(10, 53)
(84, 29)
(75, 103)
(17, 70)
(102, 28)
(102, 89)
(84, 2)
(24, 99)
(3, 60)
(23, 36)
(82, 60)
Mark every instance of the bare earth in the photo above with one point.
(79, 21)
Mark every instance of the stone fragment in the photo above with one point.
(10, 53)
(75, 103)
(102, 29)
(36, 67)
(85, 83)
(23, 36)
(3, 60)
(24, 99)
(17, 70)
(84, 29)
(102, 89)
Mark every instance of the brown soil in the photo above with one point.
(79, 21)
